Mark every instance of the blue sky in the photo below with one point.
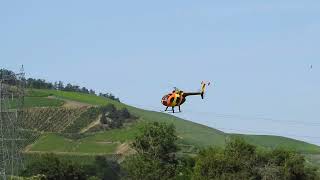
(257, 54)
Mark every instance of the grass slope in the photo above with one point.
(188, 132)
(281, 142)
(58, 144)
(30, 102)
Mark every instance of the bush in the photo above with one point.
(104, 169)
(54, 168)
(109, 96)
(114, 118)
(156, 148)
(240, 160)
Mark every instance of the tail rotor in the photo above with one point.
(203, 88)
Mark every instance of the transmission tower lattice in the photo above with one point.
(11, 115)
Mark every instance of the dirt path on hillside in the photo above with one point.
(94, 123)
(124, 150)
(70, 103)
(27, 149)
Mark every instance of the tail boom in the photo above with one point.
(201, 93)
(191, 94)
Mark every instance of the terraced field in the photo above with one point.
(47, 119)
(83, 120)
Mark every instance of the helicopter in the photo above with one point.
(178, 97)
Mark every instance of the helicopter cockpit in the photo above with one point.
(177, 91)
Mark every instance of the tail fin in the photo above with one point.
(203, 88)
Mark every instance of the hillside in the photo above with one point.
(192, 135)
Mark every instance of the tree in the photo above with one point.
(113, 117)
(56, 85)
(106, 110)
(60, 85)
(103, 119)
(54, 168)
(212, 163)
(185, 167)
(84, 90)
(92, 92)
(104, 169)
(109, 96)
(157, 141)
(7, 73)
(39, 84)
(156, 153)
(124, 113)
(240, 160)
(43, 84)
(291, 165)
(140, 167)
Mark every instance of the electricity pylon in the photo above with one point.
(11, 116)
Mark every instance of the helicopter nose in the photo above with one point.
(164, 103)
(164, 100)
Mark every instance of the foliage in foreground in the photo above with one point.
(51, 168)
(156, 153)
(240, 160)
(156, 159)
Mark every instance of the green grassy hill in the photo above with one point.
(115, 141)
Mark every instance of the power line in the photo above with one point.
(233, 116)
(11, 140)
(256, 118)
(267, 132)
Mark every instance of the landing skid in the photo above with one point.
(174, 112)
(170, 111)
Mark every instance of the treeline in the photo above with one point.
(7, 74)
(109, 96)
(58, 85)
(158, 157)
